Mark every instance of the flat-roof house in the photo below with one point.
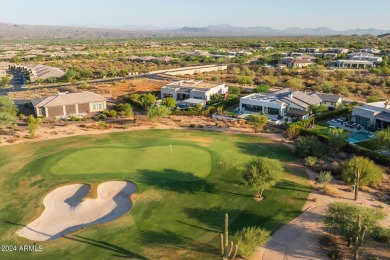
(189, 91)
(68, 104)
(372, 115)
(331, 101)
(312, 50)
(281, 103)
(354, 64)
(364, 56)
(370, 50)
(337, 50)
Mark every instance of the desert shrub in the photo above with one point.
(308, 146)
(332, 192)
(311, 160)
(101, 125)
(250, 237)
(112, 113)
(325, 178)
(381, 234)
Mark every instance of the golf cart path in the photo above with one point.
(299, 238)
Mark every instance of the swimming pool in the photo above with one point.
(359, 137)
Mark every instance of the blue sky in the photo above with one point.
(280, 14)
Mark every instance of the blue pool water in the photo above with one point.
(358, 137)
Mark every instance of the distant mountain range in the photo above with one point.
(22, 31)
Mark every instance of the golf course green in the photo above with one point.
(186, 182)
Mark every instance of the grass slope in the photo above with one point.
(174, 217)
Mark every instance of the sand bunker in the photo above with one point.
(66, 212)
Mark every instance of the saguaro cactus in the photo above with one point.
(360, 232)
(226, 249)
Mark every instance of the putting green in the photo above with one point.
(102, 160)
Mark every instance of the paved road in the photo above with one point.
(16, 82)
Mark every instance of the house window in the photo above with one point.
(41, 111)
(98, 106)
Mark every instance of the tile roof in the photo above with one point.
(68, 99)
(306, 98)
(326, 97)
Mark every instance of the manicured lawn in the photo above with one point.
(180, 200)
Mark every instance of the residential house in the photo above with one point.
(337, 50)
(40, 72)
(354, 64)
(370, 50)
(68, 104)
(331, 101)
(285, 102)
(365, 56)
(165, 59)
(192, 92)
(312, 50)
(372, 115)
(298, 61)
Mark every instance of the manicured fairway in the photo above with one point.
(180, 201)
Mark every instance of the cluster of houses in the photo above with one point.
(164, 59)
(38, 72)
(217, 53)
(281, 104)
(361, 59)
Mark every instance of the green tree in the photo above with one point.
(156, 112)
(216, 98)
(293, 131)
(261, 88)
(5, 80)
(169, 102)
(249, 238)
(318, 108)
(361, 171)
(147, 99)
(234, 90)
(258, 122)
(8, 111)
(71, 75)
(198, 107)
(123, 72)
(382, 139)
(32, 125)
(125, 109)
(336, 138)
(261, 174)
(295, 84)
(244, 80)
(308, 146)
(341, 219)
(86, 74)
